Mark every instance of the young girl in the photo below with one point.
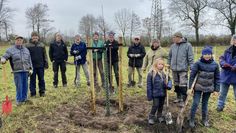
(156, 89)
(207, 82)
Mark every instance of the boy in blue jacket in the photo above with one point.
(208, 81)
(79, 51)
(156, 89)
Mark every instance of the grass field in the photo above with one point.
(50, 114)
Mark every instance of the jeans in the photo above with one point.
(196, 100)
(62, 66)
(130, 74)
(21, 82)
(41, 82)
(224, 88)
(77, 73)
(157, 105)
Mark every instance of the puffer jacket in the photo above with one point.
(208, 79)
(156, 86)
(181, 56)
(19, 57)
(152, 55)
(82, 51)
(136, 61)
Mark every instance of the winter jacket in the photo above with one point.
(58, 52)
(227, 75)
(156, 86)
(208, 79)
(181, 56)
(38, 55)
(114, 51)
(82, 51)
(19, 57)
(98, 44)
(136, 49)
(152, 55)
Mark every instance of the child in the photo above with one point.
(156, 89)
(207, 82)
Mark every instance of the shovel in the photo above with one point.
(180, 118)
(168, 116)
(133, 82)
(6, 105)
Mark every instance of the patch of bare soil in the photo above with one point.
(79, 118)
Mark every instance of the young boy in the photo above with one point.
(208, 81)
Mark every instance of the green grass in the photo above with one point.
(25, 116)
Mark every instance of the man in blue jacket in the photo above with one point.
(79, 51)
(228, 73)
(58, 55)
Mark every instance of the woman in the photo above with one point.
(154, 53)
(228, 73)
(21, 64)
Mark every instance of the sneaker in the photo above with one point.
(218, 109)
(42, 94)
(55, 86)
(191, 123)
(206, 123)
(151, 119)
(161, 119)
(64, 85)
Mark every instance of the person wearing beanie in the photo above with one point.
(228, 73)
(40, 63)
(180, 59)
(208, 81)
(154, 53)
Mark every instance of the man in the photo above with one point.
(180, 58)
(79, 51)
(112, 57)
(58, 55)
(97, 59)
(136, 53)
(40, 62)
(21, 65)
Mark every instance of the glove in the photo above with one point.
(3, 60)
(226, 65)
(169, 85)
(137, 55)
(95, 50)
(233, 69)
(131, 55)
(78, 57)
(30, 72)
(75, 52)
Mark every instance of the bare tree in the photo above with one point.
(87, 24)
(190, 11)
(147, 25)
(227, 9)
(122, 19)
(135, 25)
(102, 25)
(6, 14)
(37, 17)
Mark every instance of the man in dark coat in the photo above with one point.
(58, 54)
(136, 53)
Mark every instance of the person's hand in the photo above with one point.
(30, 72)
(226, 65)
(137, 55)
(3, 60)
(95, 50)
(131, 55)
(216, 93)
(233, 68)
(75, 51)
(78, 57)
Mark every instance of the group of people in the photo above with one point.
(31, 60)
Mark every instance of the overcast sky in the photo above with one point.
(67, 13)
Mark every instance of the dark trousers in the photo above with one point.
(98, 64)
(116, 71)
(157, 105)
(21, 82)
(62, 66)
(196, 100)
(41, 82)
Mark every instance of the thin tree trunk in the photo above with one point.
(197, 35)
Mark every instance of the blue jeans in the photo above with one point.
(21, 82)
(196, 100)
(41, 83)
(224, 88)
